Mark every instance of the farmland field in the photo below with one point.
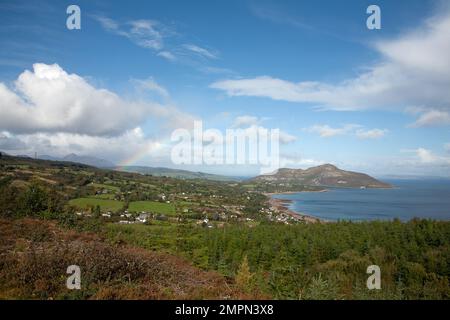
(105, 196)
(152, 206)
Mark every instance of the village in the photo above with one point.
(180, 207)
(203, 210)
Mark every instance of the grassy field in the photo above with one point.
(105, 204)
(151, 206)
(104, 196)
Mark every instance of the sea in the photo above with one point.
(408, 199)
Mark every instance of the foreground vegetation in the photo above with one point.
(35, 255)
(313, 261)
(52, 215)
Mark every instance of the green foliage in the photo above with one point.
(104, 204)
(97, 212)
(320, 289)
(34, 200)
(302, 261)
(244, 276)
(315, 261)
(9, 201)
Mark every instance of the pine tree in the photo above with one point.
(244, 276)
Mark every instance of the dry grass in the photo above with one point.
(35, 254)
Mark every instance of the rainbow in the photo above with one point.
(139, 154)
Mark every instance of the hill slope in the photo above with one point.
(90, 161)
(175, 173)
(324, 175)
(108, 271)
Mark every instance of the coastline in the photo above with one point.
(281, 205)
(292, 192)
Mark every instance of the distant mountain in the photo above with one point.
(325, 175)
(23, 156)
(176, 173)
(90, 161)
(47, 157)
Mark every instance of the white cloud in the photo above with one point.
(420, 161)
(48, 99)
(294, 160)
(253, 130)
(447, 147)
(152, 34)
(325, 131)
(9, 142)
(423, 50)
(252, 123)
(167, 55)
(371, 134)
(108, 24)
(52, 112)
(250, 127)
(276, 15)
(432, 117)
(245, 121)
(111, 148)
(144, 33)
(216, 70)
(425, 156)
(151, 85)
(414, 71)
(286, 138)
(200, 51)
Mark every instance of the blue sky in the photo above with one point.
(370, 100)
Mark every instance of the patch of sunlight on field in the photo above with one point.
(104, 196)
(152, 206)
